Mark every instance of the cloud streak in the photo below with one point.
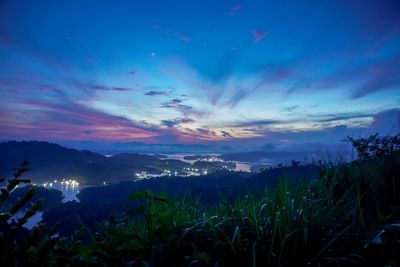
(171, 32)
(68, 120)
(176, 122)
(109, 88)
(186, 110)
(156, 93)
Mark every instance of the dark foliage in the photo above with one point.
(376, 146)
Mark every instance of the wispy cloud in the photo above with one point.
(109, 88)
(186, 110)
(248, 123)
(376, 48)
(171, 32)
(364, 79)
(203, 134)
(69, 120)
(157, 93)
(172, 103)
(239, 94)
(226, 134)
(381, 76)
(220, 84)
(176, 122)
(291, 108)
(337, 116)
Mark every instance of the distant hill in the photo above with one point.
(265, 156)
(51, 161)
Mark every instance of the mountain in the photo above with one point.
(267, 156)
(138, 147)
(50, 161)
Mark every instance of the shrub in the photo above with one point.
(375, 146)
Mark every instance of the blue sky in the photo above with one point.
(198, 72)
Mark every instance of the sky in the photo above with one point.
(217, 72)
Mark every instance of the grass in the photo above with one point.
(291, 224)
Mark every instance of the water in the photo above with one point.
(240, 165)
(69, 189)
(69, 192)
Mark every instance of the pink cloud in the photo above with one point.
(69, 120)
(258, 35)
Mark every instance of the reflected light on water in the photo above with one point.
(69, 188)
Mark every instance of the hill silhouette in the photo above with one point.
(52, 161)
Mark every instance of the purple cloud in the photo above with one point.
(68, 120)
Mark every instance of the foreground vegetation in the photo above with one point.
(334, 221)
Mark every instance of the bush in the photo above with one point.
(375, 146)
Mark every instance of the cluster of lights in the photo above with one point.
(47, 184)
(212, 159)
(69, 182)
(185, 173)
(145, 175)
(191, 169)
(73, 183)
